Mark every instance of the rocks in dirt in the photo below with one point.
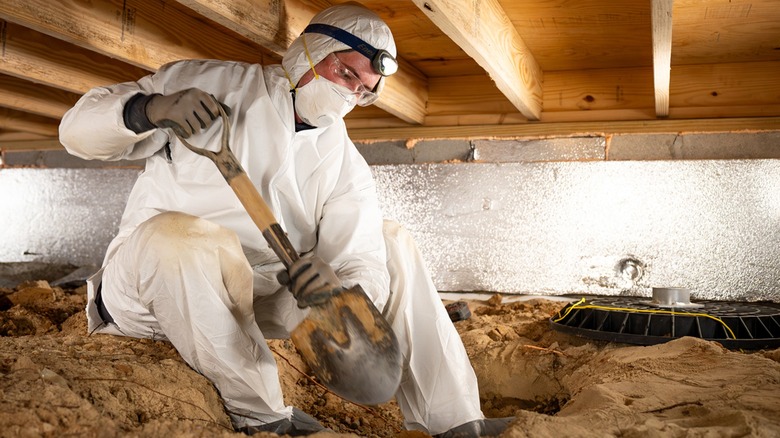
(35, 307)
(19, 321)
(56, 379)
(33, 292)
(56, 388)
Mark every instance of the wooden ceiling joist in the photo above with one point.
(26, 96)
(42, 59)
(485, 33)
(569, 129)
(18, 121)
(146, 34)
(30, 145)
(662, 53)
(265, 22)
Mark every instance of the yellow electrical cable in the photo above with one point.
(578, 305)
(582, 300)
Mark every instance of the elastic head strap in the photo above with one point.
(345, 37)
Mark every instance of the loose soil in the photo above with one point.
(57, 380)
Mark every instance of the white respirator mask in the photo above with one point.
(321, 102)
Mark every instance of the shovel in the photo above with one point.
(345, 341)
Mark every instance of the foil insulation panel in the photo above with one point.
(554, 228)
(608, 228)
(64, 216)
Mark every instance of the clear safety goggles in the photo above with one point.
(351, 87)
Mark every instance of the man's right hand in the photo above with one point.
(311, 280)
(187, 112)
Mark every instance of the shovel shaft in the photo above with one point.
(247, 193)
(262, 216)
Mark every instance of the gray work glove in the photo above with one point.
(311, 280)
(187, 112)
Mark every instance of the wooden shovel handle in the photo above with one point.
(263, 217)
(247, 193)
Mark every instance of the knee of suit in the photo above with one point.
(175, 235)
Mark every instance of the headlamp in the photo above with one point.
(384, 63)
(381, 60)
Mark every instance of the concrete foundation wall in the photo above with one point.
(606, 215)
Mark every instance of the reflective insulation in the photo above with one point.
(61, 215)
(552, 228)
(609, 228)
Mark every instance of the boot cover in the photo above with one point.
(478, 428)
(300, 424)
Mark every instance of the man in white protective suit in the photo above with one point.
(189, 265)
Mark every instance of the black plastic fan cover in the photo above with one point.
(633, 320)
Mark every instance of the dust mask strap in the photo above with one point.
(293, 86)
(308, 57)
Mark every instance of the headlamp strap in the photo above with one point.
(345, 37)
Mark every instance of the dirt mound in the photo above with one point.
(566, 386)
(58, 380)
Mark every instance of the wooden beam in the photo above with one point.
(716, 32)
(598, 90)
(405, 95)
(569, 91)
(46, 60)
(17, 140)
(6, 136)
(269, 23)
(274, 25)
(462, 95)
(33, 98)
(515, 118)
(726, 85)
(31, 145)
(485, 33)
(568, 129)
(662, 53)
(580, 95)
(24, 122)
(144, 33)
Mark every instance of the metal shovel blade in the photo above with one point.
(351, 348)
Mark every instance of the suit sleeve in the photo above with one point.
(350, 231)
(94, 128)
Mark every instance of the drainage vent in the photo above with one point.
(637, 320)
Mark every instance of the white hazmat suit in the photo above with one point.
(188, 264)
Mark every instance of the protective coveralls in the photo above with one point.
(188, 264)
